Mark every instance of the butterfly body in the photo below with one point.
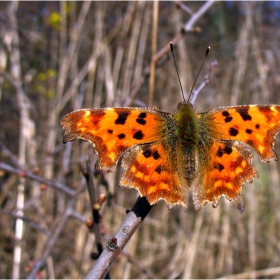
(185, 139)
(164, 154)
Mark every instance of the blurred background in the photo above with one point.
(59, 56)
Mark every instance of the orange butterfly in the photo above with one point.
(165, 154)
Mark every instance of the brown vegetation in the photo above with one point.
(59, 56)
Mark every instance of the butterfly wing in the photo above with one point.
(152, 169)
(112, 131)
(229, 132)
(228, 168)
(254, 125)
(150, 163)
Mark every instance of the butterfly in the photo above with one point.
(164, 154)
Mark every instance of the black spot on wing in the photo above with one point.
(147, 153)
(249, 131)
(228, 149)
(142, 115)
(158, 169)
(243, 112)
(228, 119)
(122, 116)
(141, 121)
(220, 152)
(257, 126)
(110, 131)
(138, 135)
(227, 116)
(233, 131)
(156, 155)
(121, 136)
(219, 166)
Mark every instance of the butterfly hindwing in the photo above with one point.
(152, 170)
(228, 169)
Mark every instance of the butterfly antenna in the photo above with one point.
(171, 48)
(206, 53)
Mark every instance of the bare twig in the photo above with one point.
(136, 263)
(188, 27)
(95, 205)
(195, 16)
(52, 239)
(204, 83)
(25, 134)
(28, 221)
(84, 71)
(184, 7)
(153, 49)
(26, 173)
(130, 224)
(242, 55)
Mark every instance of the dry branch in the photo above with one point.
(25, 173)
(130, 224)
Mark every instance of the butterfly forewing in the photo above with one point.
(252, 124)
(113, 130)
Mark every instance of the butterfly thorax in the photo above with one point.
(187, 125)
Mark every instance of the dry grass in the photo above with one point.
(99, 54)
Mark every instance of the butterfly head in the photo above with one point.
(184, 104)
